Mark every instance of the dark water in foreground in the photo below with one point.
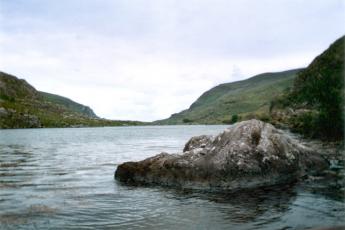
(63, 179)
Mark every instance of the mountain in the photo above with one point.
(68, 103)
(315, 104)
(241, 100)
(22, 106)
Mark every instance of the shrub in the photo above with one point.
(186, 120)
(234, 118)
(306, 124)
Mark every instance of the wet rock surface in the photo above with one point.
(248, 154)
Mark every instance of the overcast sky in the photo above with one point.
(146, 59)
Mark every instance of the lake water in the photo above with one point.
(64, 179)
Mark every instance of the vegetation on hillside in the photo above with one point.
(68, 103)
(309, 101)
(22, 106)
(317, 97)
(231, 102)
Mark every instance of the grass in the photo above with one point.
(28, 108)
(247, 98)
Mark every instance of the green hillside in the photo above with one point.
(229, 102)
(22, 106)
(315, 104)
(68, 103)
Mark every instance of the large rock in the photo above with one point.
(248, 154)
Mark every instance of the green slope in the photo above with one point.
(22, 106)
(315, 104)
(68, 103)
(247, 99)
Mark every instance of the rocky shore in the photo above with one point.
(248, 154)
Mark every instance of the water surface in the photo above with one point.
(64, 179)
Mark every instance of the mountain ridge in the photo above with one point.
(69, 103)
(225, 100)
(22, 106)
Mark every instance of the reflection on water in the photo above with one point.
(63, 179)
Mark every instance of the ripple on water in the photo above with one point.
(64, 178)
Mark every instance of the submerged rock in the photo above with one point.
(246, 155)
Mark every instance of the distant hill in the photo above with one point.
(315, 104)
(227, 103)
(68, 103)
(22, 106)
